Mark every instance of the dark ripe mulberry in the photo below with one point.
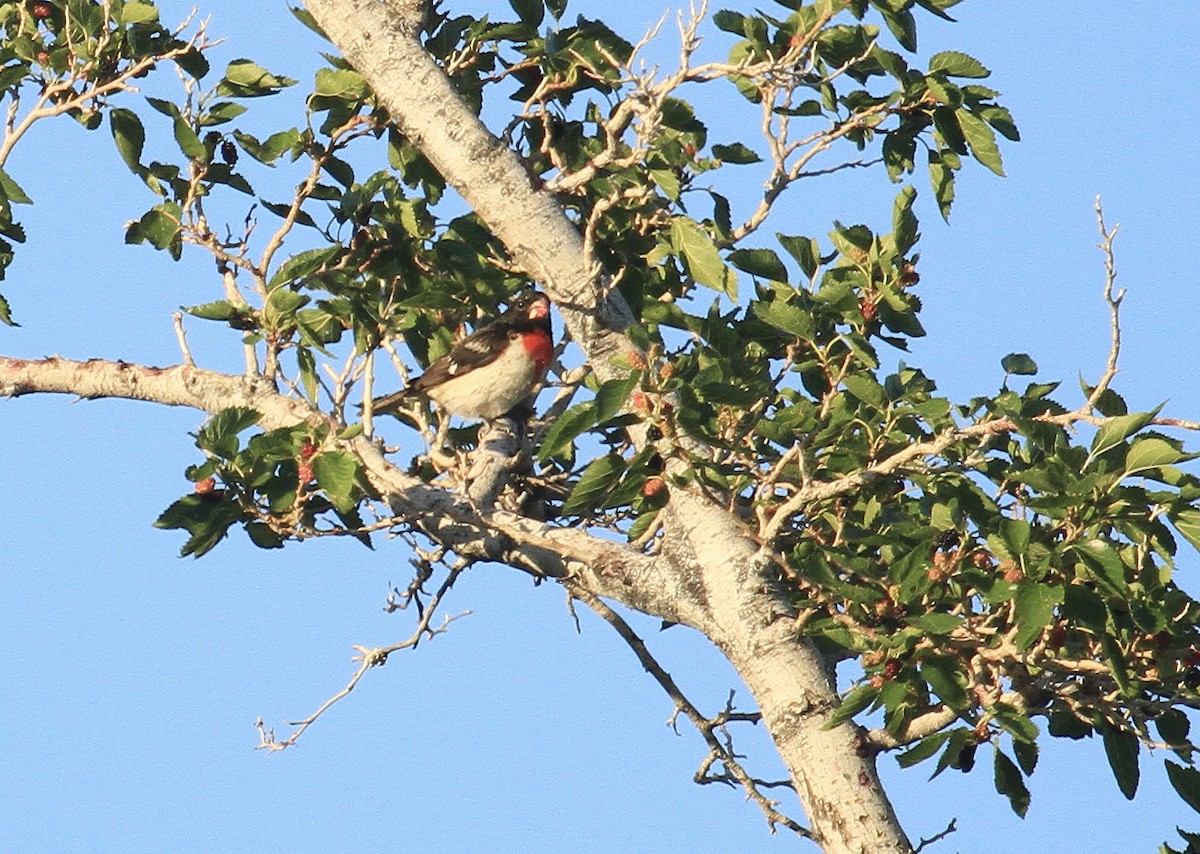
(41, 9)
(946, 541)
(229, 153)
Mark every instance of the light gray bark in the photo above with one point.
(710, 560)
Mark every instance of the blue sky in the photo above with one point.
(133, 678)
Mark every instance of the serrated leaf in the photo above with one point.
(1186, 781)
(1015, 533)
(247, 79)
(956, 64)
(922, 750)
(735, 153)
(206, 518)
(1034, 605)
(12, 190)
(763, 263)
(339, 474)
(137, 12)
(853, 703)
(1102, 559)
(804, 250)
(263, 535)
(1116, 430)
(904, 221)
(867, 390)
(565, 428)
(187, 140)
(1010, 783)
(941, 178)
(936, 623)
(982, 139)
(704, 262)
(1027, 755)
(530, 12)
(784, 316)
(1121, 747)
(1021, 364)
(612, 395)
(1151, 452)
(941, 672)
(597, 479)
(129, 136)
(1187, 523)
(341, 83)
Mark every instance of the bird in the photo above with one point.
(491, 371)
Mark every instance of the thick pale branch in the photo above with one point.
(606, 568)
(382, 42)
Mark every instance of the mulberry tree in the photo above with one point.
(731, 439)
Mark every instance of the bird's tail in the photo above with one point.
(389, 404)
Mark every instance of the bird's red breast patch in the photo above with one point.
(540, 348)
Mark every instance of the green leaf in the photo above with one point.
(936, 623)
(1116, 430)
(1021, 364)
(246, 79)
(1035, 604)
(942, 674)
(1010, 783)
(955, 64)
(703, 260)
(207, 518)
(219, 435)
(1027, 755)
(1151, 452)
(1187, 523)
(735, 153)
(1186, 782)
(189, 143)
(158, 226)
(1015, 533)
(530, 12)
(262, 535)
(339, 475)
(137, 12)
(1106, 565)
(565, 428)
(597, 479)
(941, 178)
(853, 703)
(1121, 748)
(785, 316)
(341, 83)
(6, 313)
(923, 749)
(982, 139)
(904, 221)
(12, 190)
(129, 135)
(867, 390)
(804, 250)
(612, 395)
(763, 263)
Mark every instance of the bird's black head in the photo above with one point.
(529, 309)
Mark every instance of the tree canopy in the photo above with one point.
(740, 441)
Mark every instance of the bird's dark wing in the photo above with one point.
(476, 350)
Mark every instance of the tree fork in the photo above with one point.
(834, 777)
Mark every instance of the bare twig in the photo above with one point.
(367, 658)
(708, 727)
(937, 837)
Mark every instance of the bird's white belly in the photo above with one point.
(508, 380)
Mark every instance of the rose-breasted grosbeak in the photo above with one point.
(493, 369)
